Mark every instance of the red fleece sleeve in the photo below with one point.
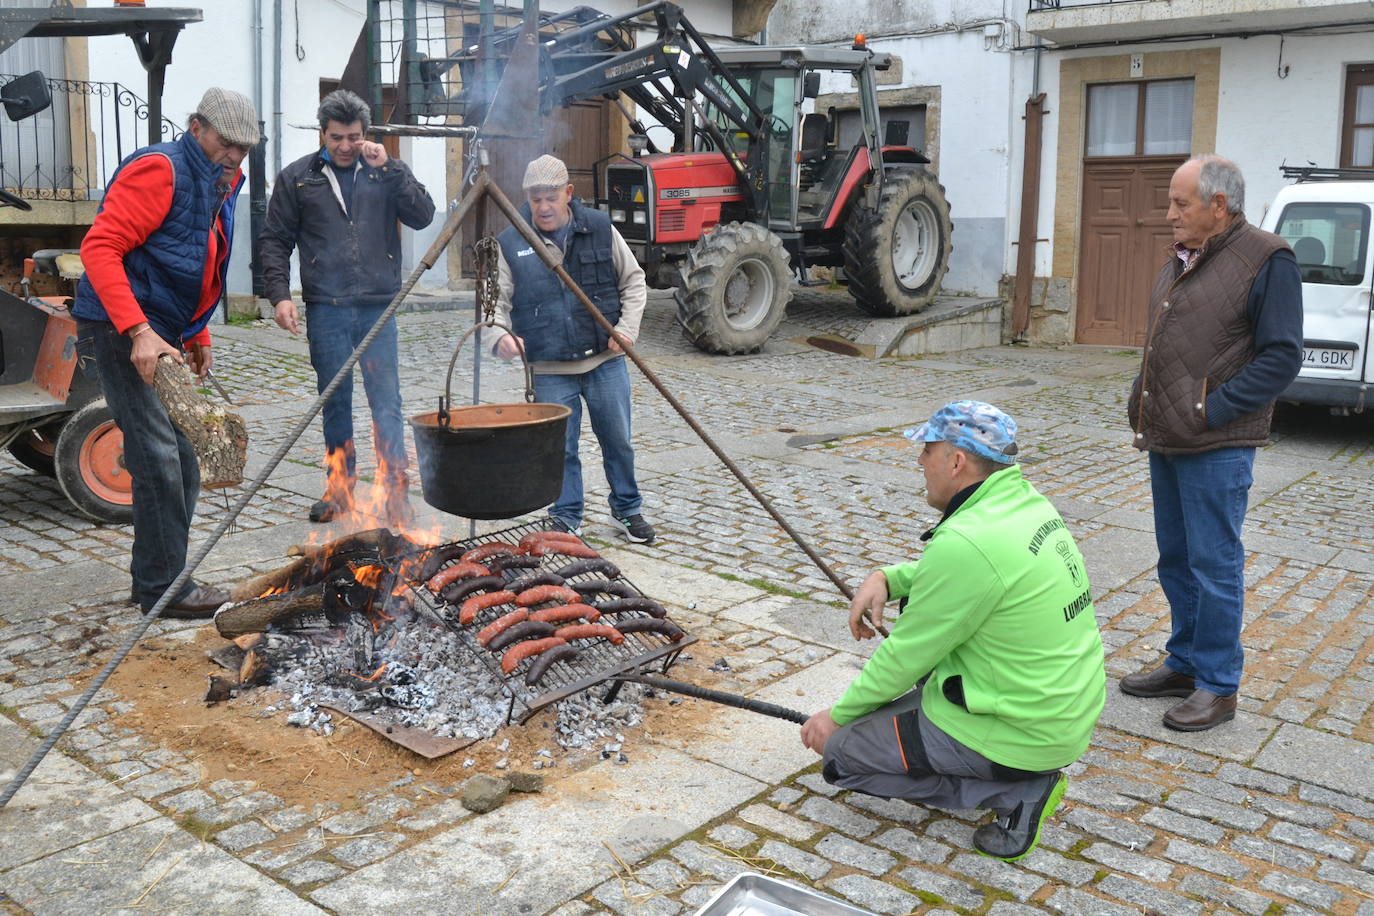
(134, 207)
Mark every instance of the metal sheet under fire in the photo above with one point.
(426, 744)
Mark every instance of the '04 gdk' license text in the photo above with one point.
(1328, 359)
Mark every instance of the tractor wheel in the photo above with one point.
(896, 256)
(90, 465)
(34, 449)
(734, 289)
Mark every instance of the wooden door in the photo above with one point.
(1125, 237)
(580, 135)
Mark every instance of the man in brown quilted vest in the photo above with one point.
(1224, 340)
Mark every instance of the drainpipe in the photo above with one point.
(1030, 203)
(1030, 211)
(276, 87)
(257, 162)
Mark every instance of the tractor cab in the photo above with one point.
(807, 170)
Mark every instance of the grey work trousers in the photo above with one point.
(867, 756)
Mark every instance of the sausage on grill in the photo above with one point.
(547, 658)
(428, 562)
(526, 629)
(627, 605)
(592, 586)
(564, 613)
(500, 624)
(486, 551)
(590, 631)
(529, 541)
(501, 564)
(594, 565)
(533, 579)
(541, 593)
(455, 572)
(650, 625)
(523, 650)
(461, 589)
(468, 612)
(570, 548)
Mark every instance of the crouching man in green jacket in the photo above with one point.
(992, 679)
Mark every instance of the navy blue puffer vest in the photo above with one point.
(553, 323)
(165, 272)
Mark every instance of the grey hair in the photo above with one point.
(345, 107)
(1220, 176)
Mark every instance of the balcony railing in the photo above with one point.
(1040, 6)
(69, 151)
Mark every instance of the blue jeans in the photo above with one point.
(334, 332)
(159, 459)
(1199, 505)
(606, 389)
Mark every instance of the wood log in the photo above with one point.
(290, 577)
(253, 671)
(379, 539)
(219, 437)
(257, 614)
(248, 641)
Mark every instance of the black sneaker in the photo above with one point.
(554, 523)
(1012, 836)
(635, 528)
(325, 511)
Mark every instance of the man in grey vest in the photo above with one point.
(573, 358)
(1224, 340)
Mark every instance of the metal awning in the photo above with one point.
(153, 32)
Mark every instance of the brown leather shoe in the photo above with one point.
(199, 603)
(1158, 682)
(1200, 712)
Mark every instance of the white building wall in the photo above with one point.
(219, 51)
(1263, 120)
(965, 49)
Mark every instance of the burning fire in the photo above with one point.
(385, 503)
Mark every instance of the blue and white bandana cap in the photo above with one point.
(972, 426)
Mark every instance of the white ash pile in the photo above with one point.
(414, 672)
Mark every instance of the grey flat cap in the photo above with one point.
(231, 113)
(545, 172)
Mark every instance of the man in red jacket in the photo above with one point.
(155, 259)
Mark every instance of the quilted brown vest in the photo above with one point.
(1200, 337)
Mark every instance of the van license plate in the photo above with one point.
(1323, 358)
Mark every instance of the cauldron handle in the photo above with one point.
(447, 399)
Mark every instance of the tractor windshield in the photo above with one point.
(775, 92)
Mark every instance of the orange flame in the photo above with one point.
(384, 503)
(371, 677)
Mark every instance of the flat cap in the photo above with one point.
(545, 172)
(231, 114)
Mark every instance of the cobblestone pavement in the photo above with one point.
(1272, 814)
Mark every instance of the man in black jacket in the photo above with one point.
(339, 206)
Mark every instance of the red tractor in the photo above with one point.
(755, 187)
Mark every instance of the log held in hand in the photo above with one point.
(219, 437)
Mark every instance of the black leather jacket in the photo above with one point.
(344, 261)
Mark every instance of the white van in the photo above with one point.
(1327, 223)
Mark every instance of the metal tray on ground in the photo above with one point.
(752, 894)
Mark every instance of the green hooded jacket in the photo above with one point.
(999, 615)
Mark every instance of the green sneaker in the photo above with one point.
(1012, 836)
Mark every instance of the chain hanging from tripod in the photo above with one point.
(486, 252)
